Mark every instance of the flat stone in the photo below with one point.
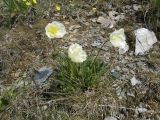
(110, 118)
(42, 75)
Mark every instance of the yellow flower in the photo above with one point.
(55, 30)
(58, 7)
(76, 53)
(35, 1)
(28, 3)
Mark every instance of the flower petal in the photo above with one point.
(76, 53)
(118, 39)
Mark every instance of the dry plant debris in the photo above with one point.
(129, 90)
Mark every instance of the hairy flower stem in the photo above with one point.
(98, 52)
(54, 48)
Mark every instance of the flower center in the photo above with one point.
(53, 29)
(116, 38)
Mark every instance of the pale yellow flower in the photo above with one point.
(58, 7)
(55, 30)
(35, 1)
(94, 9)
(76, 53)
(28, 3)
(118, 39)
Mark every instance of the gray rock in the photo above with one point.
(124, 61)
(140, 63)
(104, 21)
(96, 43)
(134, 81)
(125, 70)
(131, 65)
(141, 110)
(115, 73)
(42, 75)
(110, 118)
(144, 40)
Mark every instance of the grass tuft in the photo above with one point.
(80, 76)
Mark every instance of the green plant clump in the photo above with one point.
(80, 76)
(157, 2)
(18, 5)
(6, 98)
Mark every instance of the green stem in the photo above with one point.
(55, 52)
(98, 52)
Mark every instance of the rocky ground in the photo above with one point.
(25, 48)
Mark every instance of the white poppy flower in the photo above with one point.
(118, 39)
(76, 53)
(55, 30)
